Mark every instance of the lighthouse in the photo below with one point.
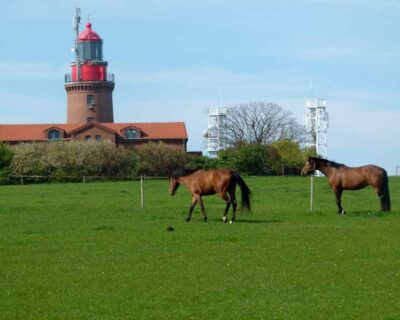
(89, 86)
(90, 116)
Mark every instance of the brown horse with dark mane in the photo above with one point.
(341, 177)
(207, 182)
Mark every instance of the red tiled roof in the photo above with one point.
(150, 130)
(154, 130)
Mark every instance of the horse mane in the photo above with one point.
(329, 162)
(182, 173)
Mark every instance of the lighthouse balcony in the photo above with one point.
(108, 77)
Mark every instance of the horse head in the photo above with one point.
(173, 185)
(309, 167)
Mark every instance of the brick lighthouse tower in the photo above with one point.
(89, 87)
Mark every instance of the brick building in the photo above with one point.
(90, 115)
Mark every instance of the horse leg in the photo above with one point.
(338, 193)
(228, 204)
(379, 193)
(203, 211)
(194, 201)
(381, 196)
(234, 205)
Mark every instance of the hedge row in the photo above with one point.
(105, 159)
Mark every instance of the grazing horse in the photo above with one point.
(207, 182)
(341, 177)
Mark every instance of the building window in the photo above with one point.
(90, 119)
(54, 135)
(90, 100)
(87, 138)
(131, 134)
(98, 137)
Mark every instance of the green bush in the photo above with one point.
(251, 159)
(292, 156)
(6, 156)
(75, 158)
(159, 159)
(202, 162)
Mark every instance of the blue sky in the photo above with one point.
(174, 58)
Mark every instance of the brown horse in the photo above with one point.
(207, 182)
(341, 177)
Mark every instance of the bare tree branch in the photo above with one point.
(259, 122)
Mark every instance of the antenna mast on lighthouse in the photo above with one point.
(76, 21)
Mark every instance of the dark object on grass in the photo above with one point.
(170, 228)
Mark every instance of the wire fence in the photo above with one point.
(27, 179)
(32, 179)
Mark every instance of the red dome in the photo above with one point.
(88, 34)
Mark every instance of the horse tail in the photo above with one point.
(385, 196)
(246, 193)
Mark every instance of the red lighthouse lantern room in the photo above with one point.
(90, 51)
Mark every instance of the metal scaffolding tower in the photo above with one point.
(317, 122)
(214, 135)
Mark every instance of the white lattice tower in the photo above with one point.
(317, 122)
(214, 134)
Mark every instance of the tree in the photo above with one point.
(258, 122)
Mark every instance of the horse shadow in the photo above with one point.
(252, 221)
(371, 214)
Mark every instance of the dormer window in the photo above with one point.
(131, 134)
(54, 135)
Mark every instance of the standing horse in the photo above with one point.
(207, 182)
(341, 177)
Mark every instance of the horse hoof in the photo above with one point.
(205, 219)
(225, 219)
(187, 220)
(232, 221)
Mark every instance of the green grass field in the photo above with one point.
(88, 251)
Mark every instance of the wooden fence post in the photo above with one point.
(141, 191)
(312, 193)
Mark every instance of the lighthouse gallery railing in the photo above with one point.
(109, 77)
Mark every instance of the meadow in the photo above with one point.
(89, 251)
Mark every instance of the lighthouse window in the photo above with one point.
(131, 134)
(54, 135)
(90, 99)
(90, 51)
